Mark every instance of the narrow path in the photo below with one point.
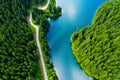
(44, 7)
(37, 40)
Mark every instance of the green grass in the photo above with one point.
(39, 72)
(32, 28)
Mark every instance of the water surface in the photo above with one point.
(75, 14)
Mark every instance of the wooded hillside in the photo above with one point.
(97, 46)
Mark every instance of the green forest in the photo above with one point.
(97, 46)
(18, 52)
(40, 18)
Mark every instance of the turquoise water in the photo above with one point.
(76, 14)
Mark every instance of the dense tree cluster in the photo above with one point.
(18, 53)
(97, 47)
(40, 18)
(40, 2)
(54, 12)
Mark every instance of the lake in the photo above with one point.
(75, 14)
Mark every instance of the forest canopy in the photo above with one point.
(40, 18)
(18, 53)
(97, 46)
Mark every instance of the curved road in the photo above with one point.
(44, 7)
(37, 40)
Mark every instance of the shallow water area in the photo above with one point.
(75, 14)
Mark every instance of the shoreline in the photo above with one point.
(48, 68)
